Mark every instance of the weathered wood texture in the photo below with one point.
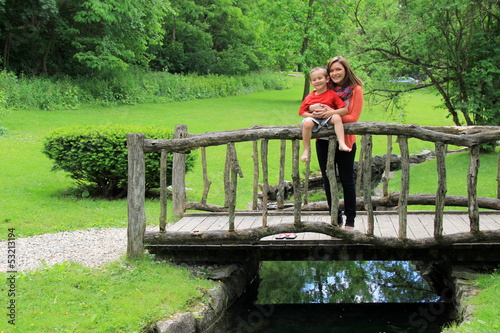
(392, 200)
(179, 175)
(297, 201)
(405, 185)
(387, 170)
(450, 135)
(441, 190)
(332, 179)
(367, 179)
(472, 188)
(136, 197)
(163, 190)
(198, 229)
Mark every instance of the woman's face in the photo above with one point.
(337, 73)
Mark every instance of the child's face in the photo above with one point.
(319, 80)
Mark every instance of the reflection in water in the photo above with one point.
(319, 297)
(342, 282)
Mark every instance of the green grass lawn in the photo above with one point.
(486, 316)
(121, 297)
(35, 200)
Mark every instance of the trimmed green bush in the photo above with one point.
(97, 156)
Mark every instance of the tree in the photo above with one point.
(117, 33)
(219, 37)
(27, 30)
(78, 37)
(452, 44)
(302, 34)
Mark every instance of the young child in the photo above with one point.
(332, 107)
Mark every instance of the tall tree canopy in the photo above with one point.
(219, 36)
(452, 44)
(50, 36)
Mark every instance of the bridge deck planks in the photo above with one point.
(420, 225)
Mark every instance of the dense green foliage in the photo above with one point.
(79, 36)
(452, 45)
(98, 155)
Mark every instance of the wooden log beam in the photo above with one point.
(252, 236)
(479, 135)
(423, 199)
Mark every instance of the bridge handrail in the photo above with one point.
(183, 142)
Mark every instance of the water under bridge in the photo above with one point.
(207, 232)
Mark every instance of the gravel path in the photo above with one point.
(91, 248)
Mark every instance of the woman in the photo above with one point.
(350, 89)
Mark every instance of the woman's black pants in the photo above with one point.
(344, 162)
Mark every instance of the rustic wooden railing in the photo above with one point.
(183, 142)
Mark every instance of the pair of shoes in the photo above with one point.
(349, 228)
(286, 236)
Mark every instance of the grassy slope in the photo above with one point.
(486, 315)
(120, 297)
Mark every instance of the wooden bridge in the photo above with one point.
(227, 234)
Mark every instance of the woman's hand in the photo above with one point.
(319, 110)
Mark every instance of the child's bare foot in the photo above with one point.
(343, 147)
(305, 156)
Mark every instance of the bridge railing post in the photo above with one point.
(163, 190)
(498, 177)
(332, 180)
(405, 186)
(472, 188)
(255, 157)
(366, 151)
(179, 176)
(136, 195)
(234, 172)
(387, 168)
(280, 195)
(441, 150)
(297, 199)
(264, 147)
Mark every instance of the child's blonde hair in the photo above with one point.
(315, 69)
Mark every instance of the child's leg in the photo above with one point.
(336, 120)
(307, 126)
